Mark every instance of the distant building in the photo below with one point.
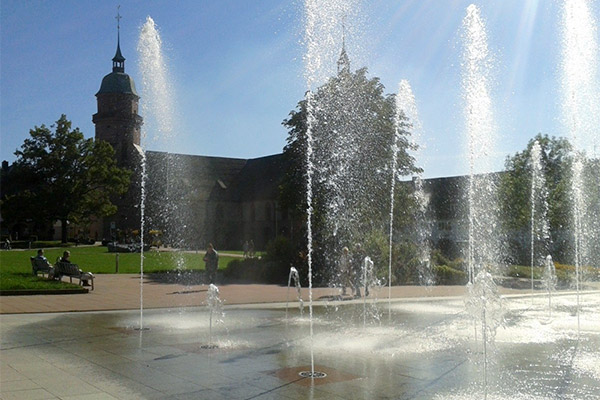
(194, 200)
(118, 123)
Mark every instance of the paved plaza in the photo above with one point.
(418, 345)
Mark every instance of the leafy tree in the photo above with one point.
(60, 175)
(589, 251)
(515, 186)
(353, 132)
(557, 164)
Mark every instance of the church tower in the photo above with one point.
(343, 63)
(118, 123)
(117, 120)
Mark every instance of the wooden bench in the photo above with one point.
(38, 265)
(72, 271)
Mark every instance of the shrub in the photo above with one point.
(448, 248)
(446, 275)
(564, 274)
(523, 271)
(279, 257)
(24, 244)
(438, 258)
(246, 270)
(458, 264)
(274, 267)
(590, 274)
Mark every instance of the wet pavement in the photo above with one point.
(122, 292)
(407, 348)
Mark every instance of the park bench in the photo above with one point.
(72, 271)
(39, 265)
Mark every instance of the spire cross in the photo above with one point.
(118, 18)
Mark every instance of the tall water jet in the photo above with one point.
(549, 280)
(423, 233)
(540, 229)
(322, 25)
(156, 104)
(142, 227)
(483, 250)
(581, 117)
(406, 117)
(158, 99)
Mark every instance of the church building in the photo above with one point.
(193, 200)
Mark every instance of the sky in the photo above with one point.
(236, 69)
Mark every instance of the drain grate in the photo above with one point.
(316, 374)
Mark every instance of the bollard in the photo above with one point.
(116, 263)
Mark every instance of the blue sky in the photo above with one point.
(236, 68)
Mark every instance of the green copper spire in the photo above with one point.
(118, 81)
(118, 60)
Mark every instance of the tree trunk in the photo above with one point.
(63, 230)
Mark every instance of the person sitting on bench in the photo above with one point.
(66, 258)
(40, 263)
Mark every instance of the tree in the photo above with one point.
(60, 175)
(515, 185)
(557, 163)
(353, 129)
(590, 224)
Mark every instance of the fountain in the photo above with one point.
(296, 278)
(483, 302)
(580, 102)
(549, 281)
(425, 350)
(540, 230)
(215, 307)
(428, 334)
(406, 117)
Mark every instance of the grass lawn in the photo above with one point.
(241, 253)
(15, 267)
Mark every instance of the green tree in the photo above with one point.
(60, 175)
(515, 185)
(591, 212)
(353, 132)
(515, 191)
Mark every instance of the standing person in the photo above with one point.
(345, 270)
(211, 258)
